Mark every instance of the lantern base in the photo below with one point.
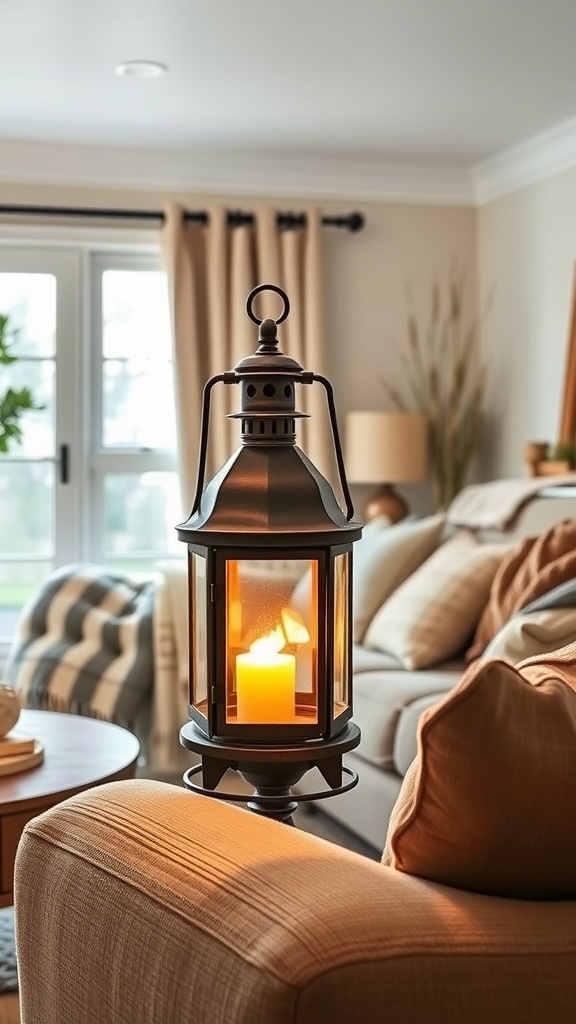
(272, 771)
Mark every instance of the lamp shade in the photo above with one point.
(386, 447)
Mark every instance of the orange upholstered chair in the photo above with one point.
(139, 902)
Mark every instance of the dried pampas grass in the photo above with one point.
(446, 378)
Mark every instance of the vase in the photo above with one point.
(9, 709)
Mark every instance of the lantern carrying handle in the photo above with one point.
(228, 378)
(204, 437)
(337, 446)
(267, 288)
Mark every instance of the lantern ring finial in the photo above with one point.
(267, 288)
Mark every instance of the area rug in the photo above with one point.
(8, 972)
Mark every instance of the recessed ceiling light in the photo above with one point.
(140, 69)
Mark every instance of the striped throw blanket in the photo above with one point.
(84, 646)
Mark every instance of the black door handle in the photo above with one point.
(64, 463)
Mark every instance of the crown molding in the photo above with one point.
(540, 157)
(368, 177)
(336, 176)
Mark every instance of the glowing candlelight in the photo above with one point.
(266, 682)
(293, 627)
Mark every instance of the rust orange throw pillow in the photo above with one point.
(488, 802)
(535, 566)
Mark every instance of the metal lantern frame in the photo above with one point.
(215, 722)
(269, 502)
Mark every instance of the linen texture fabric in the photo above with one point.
(487, 804)
(530, 633)
(155, 905)
(210, 269)
(494, 505)
(532, 568)
(384, 557)
(431, 616)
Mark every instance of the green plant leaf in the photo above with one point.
(14, 401)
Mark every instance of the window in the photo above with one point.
(94, 479)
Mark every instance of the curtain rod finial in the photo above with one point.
(356, 221)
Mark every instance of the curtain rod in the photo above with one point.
(236, 218)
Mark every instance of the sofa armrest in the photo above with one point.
(138, 901)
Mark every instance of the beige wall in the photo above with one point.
(526, 251)
(366, 277)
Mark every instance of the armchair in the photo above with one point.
(140, 902)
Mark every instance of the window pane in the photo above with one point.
(26, 509)
(19, 582)
(199, 645)
(141, 511)
(30, 301)
(137, 393)
(271, 642)
(136, 323)
(341, 618)
(138, 404)
(37, 425)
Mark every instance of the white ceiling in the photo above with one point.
(446, 83)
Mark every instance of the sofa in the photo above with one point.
(389, 697)
(139, 901)
(414, 618)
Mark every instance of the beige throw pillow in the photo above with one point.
(432, 615)
(384, 557)
(531, 633)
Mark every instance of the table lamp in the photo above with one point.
(386, 448)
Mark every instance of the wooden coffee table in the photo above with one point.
(78, 753)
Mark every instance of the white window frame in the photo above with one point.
(76, 256)
(66, 266)
(102, 460)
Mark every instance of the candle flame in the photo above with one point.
(293, 627)
(292, 631)
(272, 643)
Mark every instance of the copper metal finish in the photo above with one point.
(269, 502)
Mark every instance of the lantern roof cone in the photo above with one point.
(269, 491)
(272, 491)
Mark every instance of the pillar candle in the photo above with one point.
(265, 688)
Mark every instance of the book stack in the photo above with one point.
(19, 752)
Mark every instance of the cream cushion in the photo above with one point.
(487, 804)
(531, 633)
(384, 557)
(433, 613)
(382, 699)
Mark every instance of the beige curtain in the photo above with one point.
(211, 269)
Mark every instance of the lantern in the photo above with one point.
(270, 586)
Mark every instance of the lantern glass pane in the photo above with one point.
(272, 641)
(198, 633)
(341, 633)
